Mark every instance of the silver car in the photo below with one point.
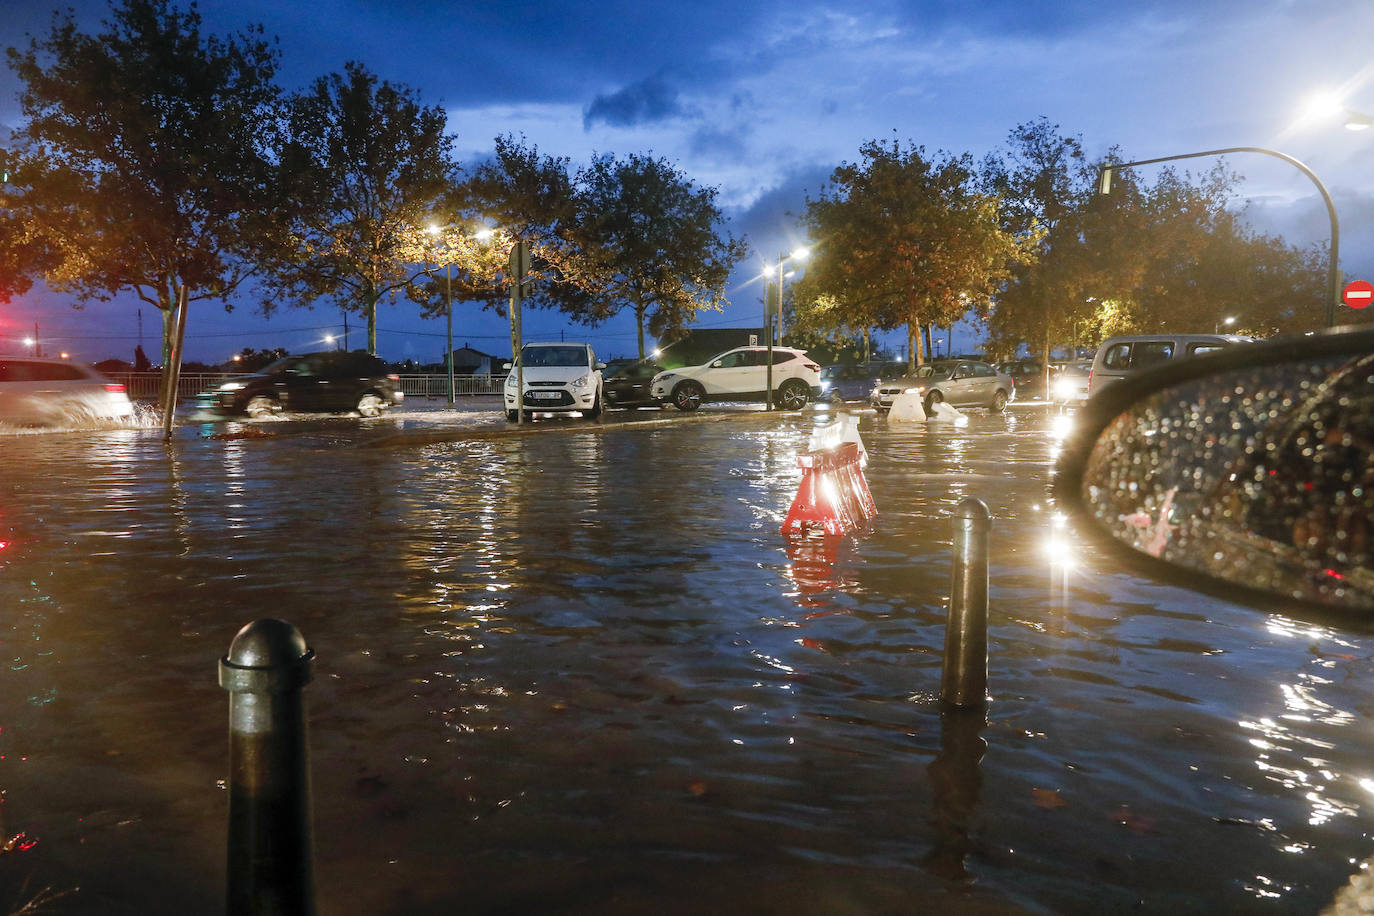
(957, 382)
(58, 392)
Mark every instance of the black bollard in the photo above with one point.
(965, 678)
(270, 857)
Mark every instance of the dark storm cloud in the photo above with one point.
(645, 102)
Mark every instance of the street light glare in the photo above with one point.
(483, 234)
(800, 254)
(1323, 105)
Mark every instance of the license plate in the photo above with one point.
(546, 395)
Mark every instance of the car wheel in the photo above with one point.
(687, 395)
(370, 405)
(935, 397)
(596, 407)
(260, 406)
(999, 401)
(793, 394)
(512, 416)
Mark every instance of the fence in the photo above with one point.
(147, 385)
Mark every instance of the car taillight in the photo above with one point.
(1090, 380)
(394, 378)
(812, 366)
(115, 389)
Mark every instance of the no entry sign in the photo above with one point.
(1358, 294)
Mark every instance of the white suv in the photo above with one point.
(741, 374)
(558, 377)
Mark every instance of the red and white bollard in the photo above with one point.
(833, 494)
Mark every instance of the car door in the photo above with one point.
(982, 384)
(302, 386)
(962, 388)
(734, 374)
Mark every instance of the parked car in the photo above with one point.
(1070, 385)
(741, 374)
(50, 392)
(959, 383)
(559, 377)
(1118, 357)
(333, 381)
(1029, 376)
(855, 383)
(630, 383)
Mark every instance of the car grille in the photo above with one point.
(546, 384)
(564, 399)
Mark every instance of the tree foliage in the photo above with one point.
(364, 165)
(654, 241)
(1171, 255)
(143, 164)
(530, 198)
(905, 240)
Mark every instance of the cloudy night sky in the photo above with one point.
(763, 99)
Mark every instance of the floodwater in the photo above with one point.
(575, 669)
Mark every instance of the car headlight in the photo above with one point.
(1064, 388)
(231, 386)
(580, 382)
(510, 380)
(665, 377)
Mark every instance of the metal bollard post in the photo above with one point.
(270, 857)
(965, 678)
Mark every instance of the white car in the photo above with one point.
(558, 378)
(741, 374)
(58, 392)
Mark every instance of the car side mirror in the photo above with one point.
(1248, 472)
(507, 366)
(600, 366)
(716, 364)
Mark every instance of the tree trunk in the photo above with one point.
(372, 324)
(1046, 352)
(915, 354)
(868, 352)
(169, 315)
(639, 323)
(926, 332)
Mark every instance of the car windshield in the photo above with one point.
(555, 356)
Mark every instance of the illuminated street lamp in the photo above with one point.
(798, 254)
(1329, 106)
(1216, 328)
(1104, 186)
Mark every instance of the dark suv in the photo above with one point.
(334, 381)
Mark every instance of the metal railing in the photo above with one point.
(146, 386)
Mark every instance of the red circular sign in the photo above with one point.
(1358, 294)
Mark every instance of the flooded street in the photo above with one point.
(575, 668)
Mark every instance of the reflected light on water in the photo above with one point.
(1058, 546)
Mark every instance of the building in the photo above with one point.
(467, 361)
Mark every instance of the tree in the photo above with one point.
(531, 198)
(364, 165)
(654, 240)
(907, 241)
(1044, 182)
(143, 163)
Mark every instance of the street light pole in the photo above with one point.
(768, 329)
(798, 254)
(1104, 186)
(448, 312)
